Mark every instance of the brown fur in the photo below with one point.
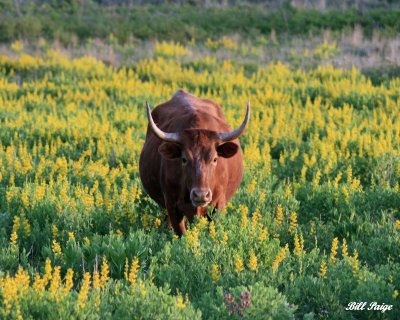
(163, 175)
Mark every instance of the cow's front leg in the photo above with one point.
(176, 220)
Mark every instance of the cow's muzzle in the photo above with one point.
(200, 197)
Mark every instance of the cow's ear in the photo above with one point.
(227, 149)
(170, 150)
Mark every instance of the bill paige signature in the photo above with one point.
(373, 306)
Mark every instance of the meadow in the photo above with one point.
(314, 226)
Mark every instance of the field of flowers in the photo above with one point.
(314, 226)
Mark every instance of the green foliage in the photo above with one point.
(64, 21)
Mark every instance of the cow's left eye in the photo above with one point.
(215, 160)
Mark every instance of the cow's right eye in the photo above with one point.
(184, 160)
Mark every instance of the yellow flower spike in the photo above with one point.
(293, 222)
(133, 271)
(54, 231)
(126, 269)
(323, 269)
(225, 238)
(252, 186)
(316, 179)
(71, 236)
(84, 291)
(263, 234)
(47, 272)
(280, 257)
(298, 245)
(13, 238)
(335, 244)
(56, 248)
(238, 264)
(55, 282)
(96, 280)
(279, 215)
(179, 302)
(202, 223)
(253, 265)
(69, 281)
(345, 252)
(397, 224)
(105, 273)
(395, 294)
(86, 241)
(213, 232)
(192, 237)
(157, 222)
(215, 274)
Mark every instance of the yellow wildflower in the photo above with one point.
(293, 222)
(179, 302)
(279, 215)
(238, 264)
(345, 252)
(56, 248)
(335, 244)
(280, 257)
(104, 273)
(253, 261)
(84, 291)
(69, 282)
(134, 271)
(213, 233)
(215, 275)
(323, 269)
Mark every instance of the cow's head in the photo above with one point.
(198, 151)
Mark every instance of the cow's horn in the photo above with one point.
(166, 136)
(228, 136)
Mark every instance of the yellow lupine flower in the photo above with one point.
(293, 222)
(38, 284)
(215, 274)
(71, 236)
(55, 282)
(14, 238)
(54, 231)
(225, 238)
(213, 232)
(253, 261)
(133, 271)
(126, 269)
(47, 272)
(192, 237)
(238, 264)
(263, 235)
(345, 252)
(279, 215)
(69, 281)
(179, 302)
(56, 248)
(335, 244)
(105, 271)
(323, 269)
(280, 257)
(298, 245)
(84, 291)
(96, 280)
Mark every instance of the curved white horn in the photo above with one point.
(228, 136)
(166, 136)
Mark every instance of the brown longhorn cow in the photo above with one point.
(191, 158)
